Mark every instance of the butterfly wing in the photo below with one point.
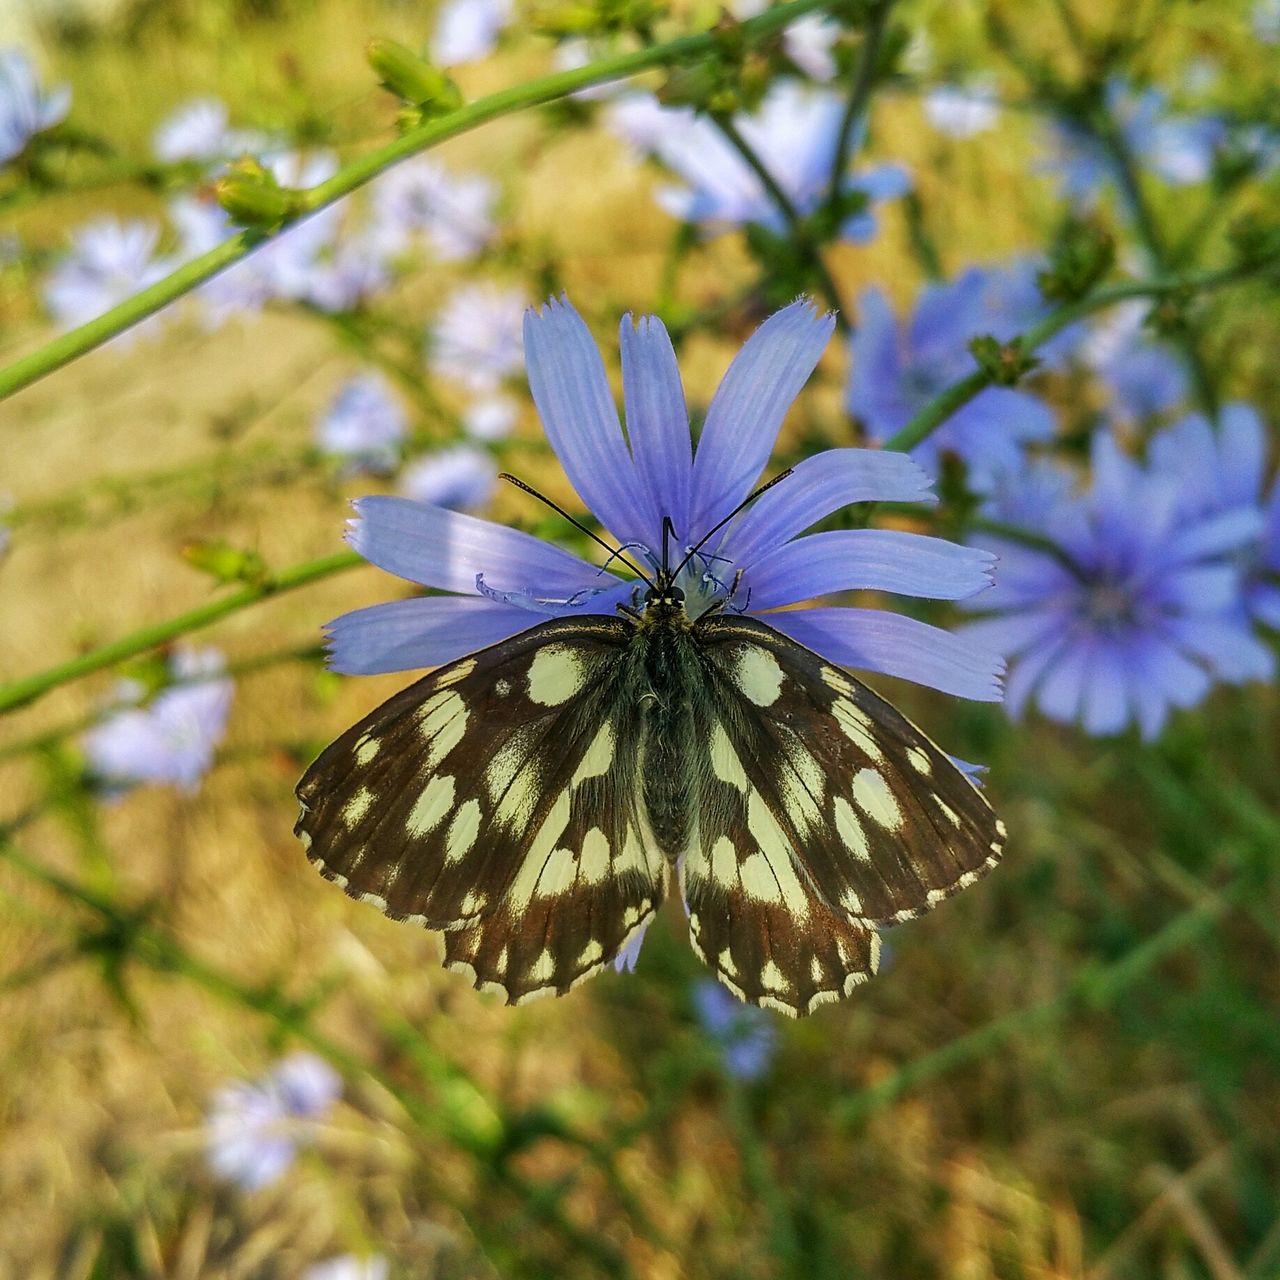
(823, 813)
(497, 799)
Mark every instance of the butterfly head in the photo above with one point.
(664, 597)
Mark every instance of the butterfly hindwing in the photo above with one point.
(877, 820)
(496, 800)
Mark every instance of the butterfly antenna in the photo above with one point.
(711, 533)
(614, 553)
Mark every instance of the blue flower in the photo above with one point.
(461, 478)
(1179, 149)
(109, 262)
(25, 108)
(253, 1131)
(794, 132)
(468, 30)
(201, 130)
(477, 339)
(1223, 471)
(897, 369)
(497, 582)
(453, 213)
(1144, 378)
(365, 424)
(962, 110)
(1135, 614)
(348, 1267)
(171, 739)
(746, 1036)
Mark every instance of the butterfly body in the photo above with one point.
(534, 799)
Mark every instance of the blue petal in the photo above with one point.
(446, 549)
(868, 559)
(818, 486)
(1106, 704)
(1243, 446)
(1227, 645)
(657, 423)
(569, 386)
(876, 383)
(883, 181)
(1061, 692)
(1023, 576)
(1215, 534)
(1013, 633)
(423, 631)
(875, 640)
(1025, 676)
(747, 410)
(1205, 589)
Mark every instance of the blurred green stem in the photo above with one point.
(77, 342)
(956, 396)
(1095, 988)
(18, 693)
(800, 234)
(864, 79)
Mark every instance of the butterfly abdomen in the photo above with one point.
(669, 783)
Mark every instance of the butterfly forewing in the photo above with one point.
(497, 800)
(875, 817)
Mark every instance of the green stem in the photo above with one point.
(800, 235)
(18, 693)
(62, 350)
(864, 78)
(956, 396)
(1095, 988)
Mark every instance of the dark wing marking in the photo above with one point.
(496, 799)
(879, 822)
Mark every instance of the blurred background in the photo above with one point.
(214, 1063)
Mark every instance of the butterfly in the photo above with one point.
(533, 800)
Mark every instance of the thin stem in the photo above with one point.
(62, 350)
(956, 396)
(18, 693)
(864, 78)
(800, 235)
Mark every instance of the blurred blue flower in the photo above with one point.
(109, 261)
(962, 110)
(461, 478)
(498, 582)
(172, 738)
(1012, 303)
(364, 424)
(1179, 149)
(794, 132)
(1143, 377)
(201, 130)
(421, 199)
(25, 108)
(493, 417)
(1221, 471)
(348, 1267)
(468, 30)
(746, 1036)
(253, 1131)
(899, 368)
(1266, 21)
(477, 339)
(642, 122)
(808, 42)
(1137, 612)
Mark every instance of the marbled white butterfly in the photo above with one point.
(533, 799)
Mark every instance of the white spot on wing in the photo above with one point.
(858, 727)
(435, 801)
(355, 808)
(305, 837)
(920, 760)
(775, 849)
(555, 675)
(593, 865)
(558, 873)
(592, 953)
(543, 967)
(724, 759)
(850, 829)
(459, 671)
(598, 757)
(366, 749)
(771, 977)
(758, 675)
(724, 862)
(872, 795)
(462, 831)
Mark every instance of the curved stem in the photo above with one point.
(864, 77)
(800, 235)
(77, 342)
(18, 693)
(956, 396)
